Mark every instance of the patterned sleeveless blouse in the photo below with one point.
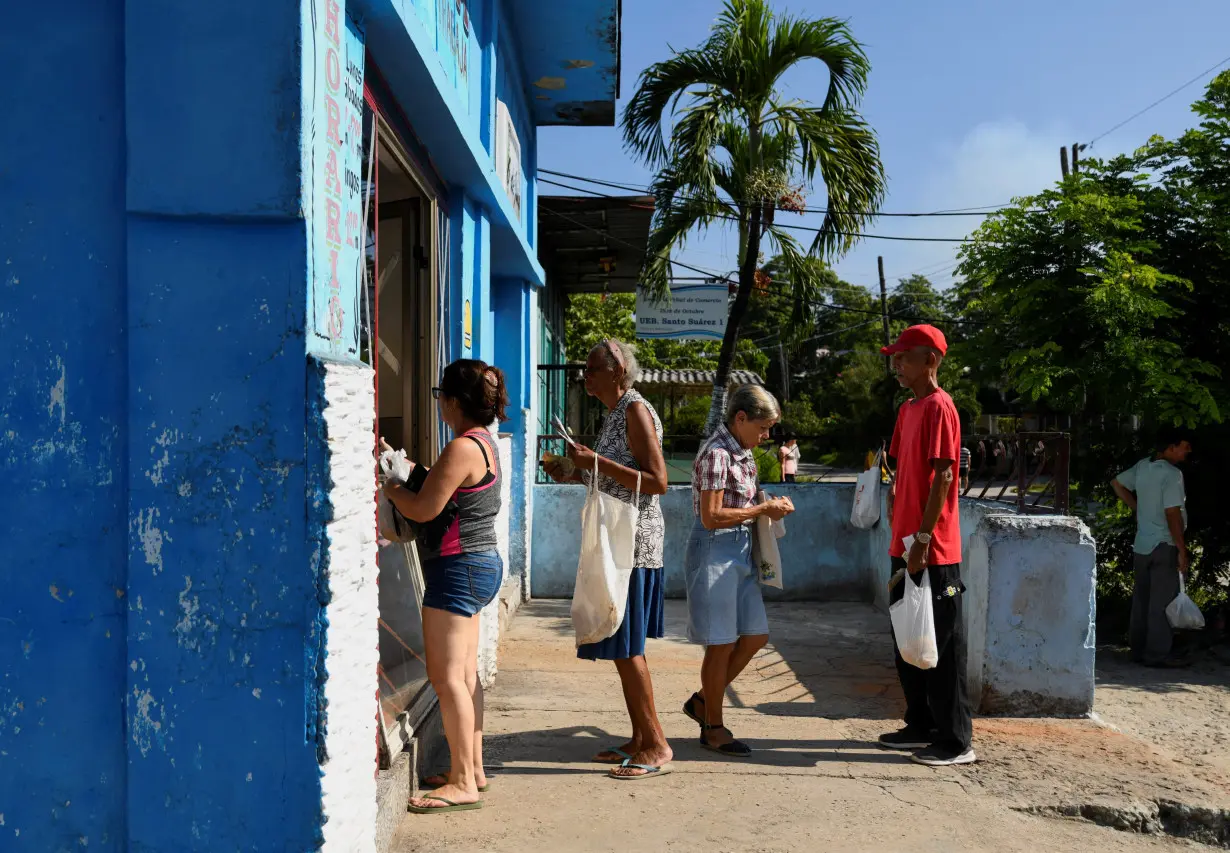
(613, 444)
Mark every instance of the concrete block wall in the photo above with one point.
(824, 556)
(1031, 615)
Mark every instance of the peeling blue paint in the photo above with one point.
(168, 590)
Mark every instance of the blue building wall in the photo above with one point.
(63, 428)
(162, 631)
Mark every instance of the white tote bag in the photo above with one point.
(914, 623)
(866, 510)
(765, 554)
(608, 550)
(1182, 613)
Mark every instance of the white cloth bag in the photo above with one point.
(765, 554)
(1182, 613)
(866, 510)
(913, 621)
(608, 550)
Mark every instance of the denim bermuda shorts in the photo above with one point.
(463, 583)
(724, 601)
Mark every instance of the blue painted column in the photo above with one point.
(221, 592)
(514, 325)
(484, 314)
(63, 428)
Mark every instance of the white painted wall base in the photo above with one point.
(349, 775)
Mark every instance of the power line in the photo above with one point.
(718, 276)
(808, 228)
(967, 211)
(1160, 100)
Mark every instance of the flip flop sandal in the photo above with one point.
(734, 749)
(449, 806)
(441, 781)
(623, 756)
(690, 712)
(650, 771)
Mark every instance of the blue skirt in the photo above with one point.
(644, 617)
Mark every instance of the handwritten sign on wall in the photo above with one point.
(335, 208)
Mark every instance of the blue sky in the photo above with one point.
(971, 101)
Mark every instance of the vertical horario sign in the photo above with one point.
(334, 201)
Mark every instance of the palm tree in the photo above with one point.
(738, 151)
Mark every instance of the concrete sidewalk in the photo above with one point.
(810, 705)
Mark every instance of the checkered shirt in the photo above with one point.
(727, 466)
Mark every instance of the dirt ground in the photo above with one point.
(1154, 761)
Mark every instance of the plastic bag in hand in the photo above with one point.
(913, 621)
(1182, 613)
(395, 466)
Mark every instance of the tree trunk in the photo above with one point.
(747, 279)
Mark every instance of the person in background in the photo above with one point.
(963, 468)
(789, 455)
(726, 613)
(1153, 488)
(923, 504)
(630, 445)
(464, 573)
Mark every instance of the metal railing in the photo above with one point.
(1026, 469)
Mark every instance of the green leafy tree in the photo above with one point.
(1108, 298)
(739, 148)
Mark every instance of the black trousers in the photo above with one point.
(937, 698)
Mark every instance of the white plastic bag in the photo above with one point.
(392, 525)
(1182, 613)
(765, 554)
(394, 465)
(914, 623)
(608, 550)
(866, 510)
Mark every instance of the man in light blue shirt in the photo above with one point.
(1153, 488)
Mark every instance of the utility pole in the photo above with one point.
(1063, 160)
(1076, 153)
(884, 313)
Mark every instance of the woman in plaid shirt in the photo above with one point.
(725, 610)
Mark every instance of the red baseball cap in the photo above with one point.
(918, 336)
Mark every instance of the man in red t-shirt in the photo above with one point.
(922, 504)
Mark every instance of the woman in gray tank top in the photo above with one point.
(463, 574)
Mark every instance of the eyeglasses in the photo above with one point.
(435, 393)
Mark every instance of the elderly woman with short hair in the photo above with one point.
(725, 609)
(630, 446)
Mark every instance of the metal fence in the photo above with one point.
(1026, 469)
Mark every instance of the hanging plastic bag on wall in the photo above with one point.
(866, 510)
(608, 550)
(913, 621)
(1182, 613)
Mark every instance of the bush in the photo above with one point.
(768, 468)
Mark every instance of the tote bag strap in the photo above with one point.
(593, 480)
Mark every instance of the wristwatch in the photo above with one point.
(924, 538)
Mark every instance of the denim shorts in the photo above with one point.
(724, 601)
(463, 583)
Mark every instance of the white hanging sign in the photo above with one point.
(696, 312)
